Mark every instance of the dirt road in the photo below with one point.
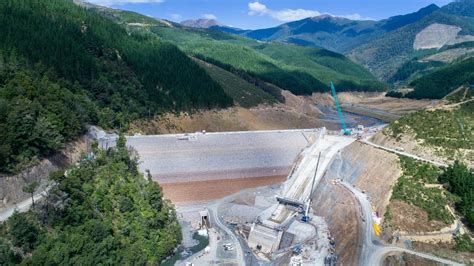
(366, 141)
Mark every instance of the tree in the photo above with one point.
(7, 257)
(31, 189)
(23, 233)
(460, 181)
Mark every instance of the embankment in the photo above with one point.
(367, 168)
(199, 166)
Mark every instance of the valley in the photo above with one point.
(128, 137)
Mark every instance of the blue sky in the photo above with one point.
(255, 14)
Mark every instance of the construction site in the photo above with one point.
(277, 197)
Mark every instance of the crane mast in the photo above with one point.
(339, 111)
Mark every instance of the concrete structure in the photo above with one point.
(205, 220)
(264, 238)
(266, 234)
(227, 155)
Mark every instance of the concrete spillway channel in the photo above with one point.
(266, 234)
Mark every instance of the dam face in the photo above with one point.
(232, 156)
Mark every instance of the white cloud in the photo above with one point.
(285, 15)
(122, 2)
(294, 14)
(357, 16)
(176, 16)
(257, 8)
(209, 16)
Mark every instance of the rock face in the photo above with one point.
(438, 35)
(11, 186)
(435, 36)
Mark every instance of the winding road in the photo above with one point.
(215, 217)
(366, 141)
(373, 252)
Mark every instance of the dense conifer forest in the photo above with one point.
(62, 66)
(441, 82)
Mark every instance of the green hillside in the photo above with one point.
(243, 92)
(429, 60)
(270, 61)
(441, 82)
(388, 53)
(267, 61)
(449, 132)
(103, 212)
(62, 66)
(83, 46)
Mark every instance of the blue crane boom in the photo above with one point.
(339, 111)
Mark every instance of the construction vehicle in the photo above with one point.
(297, 249)
(345, 130)
(377, 229)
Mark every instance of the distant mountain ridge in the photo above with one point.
(334, 33)
(385, 55)
(384, 46)
(201, 23)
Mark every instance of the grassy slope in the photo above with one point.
(410, 188)
(244, 93)
(447, 131)
(298, 69)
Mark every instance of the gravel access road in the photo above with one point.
(373, 251)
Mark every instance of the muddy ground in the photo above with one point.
(201, 191)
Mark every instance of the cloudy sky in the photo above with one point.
(267, 13)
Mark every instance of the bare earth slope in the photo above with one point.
(368, 169)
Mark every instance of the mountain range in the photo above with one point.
(384, 47)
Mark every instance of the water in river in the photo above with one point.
(183, 253)
(352, 120)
